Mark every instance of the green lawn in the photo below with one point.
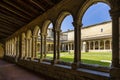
(96, 58)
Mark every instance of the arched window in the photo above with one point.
(96, 26)
(66, 39)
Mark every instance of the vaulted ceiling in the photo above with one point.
(16, 13)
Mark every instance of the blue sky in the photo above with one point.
(97, 13)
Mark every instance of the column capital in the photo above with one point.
(56, 30)
(115, 13)
(75, 24)
(41, 34)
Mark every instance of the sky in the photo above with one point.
(97, 13)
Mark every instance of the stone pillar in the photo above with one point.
(18, 49)
(10, 48)
(68, 47)
(23, 49)
(110, 44)
(115, 37)
(44, 46)
(84, 46)
(99, 45)
(89, 45)
(33, 47)
(15, 48)
(115, 14)
(55, 54)
(93, 45)
(58, 45)
(104, 44)
(64, 47)
(26, 48)
(77, 42)
(30, 48)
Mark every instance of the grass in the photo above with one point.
(96, 58)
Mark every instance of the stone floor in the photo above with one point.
(10, 71)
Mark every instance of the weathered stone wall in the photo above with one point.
(1, 51)
(62, 72)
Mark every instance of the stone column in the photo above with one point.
(77, 42)
(68, 47)
(23, 49)
(110, 44)
(44, 46)
(33, 47)
(26, 48)
(89, 45)
(64, 47)
(9, 48)
(58, 45)
(98, 45)
(15, 48)
(30, 48)
(93, 45)
(55, 54)
(104, 44)
(18, 49)
(84, 46)
(115, 36)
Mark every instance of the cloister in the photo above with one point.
(21, 46)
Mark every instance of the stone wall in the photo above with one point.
(1, 51)
(63, 72)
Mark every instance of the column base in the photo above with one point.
(40, 60)
(54, 62)
(75, 65)
(115, 73)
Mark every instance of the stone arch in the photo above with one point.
(45, 26)
(29, 34)
(23, 36)
(36, 30)
(86, 5)
(60, 18)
